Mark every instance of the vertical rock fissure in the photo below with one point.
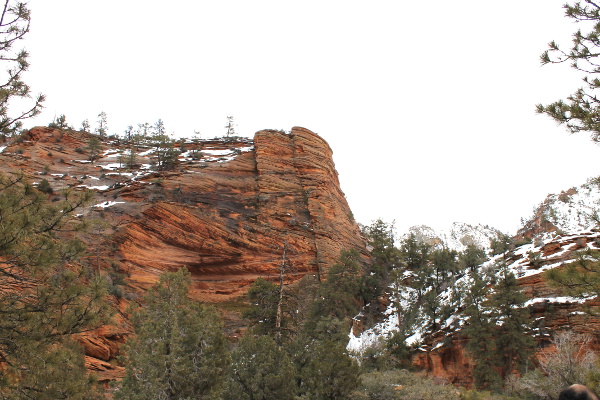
(306, 195)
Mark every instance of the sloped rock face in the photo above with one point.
(236, 218)
(225, 214)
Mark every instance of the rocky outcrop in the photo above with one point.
(576, 209)
(233, 219)
(225, 213)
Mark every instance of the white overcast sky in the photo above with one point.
(427, 105)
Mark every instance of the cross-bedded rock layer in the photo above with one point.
(225, 213)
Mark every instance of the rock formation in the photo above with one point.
(225, 213)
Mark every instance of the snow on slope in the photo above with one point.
(519, 262)
(575, 210)
(457, 237)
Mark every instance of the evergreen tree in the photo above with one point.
(178, 351)
(85, 125)
(93, 148)
(338, 295)
(497, 328)
(385, 258)
(513, 321)
(59, 122)
(580, 278)
(230, 127)
(471, 257)
(326, 371)
(165, 154)
(501, 244)
(14, 25)
(102, 129)
(42, 302)
(480, 330)
(261, 370)
(262, 313)
(581, 110)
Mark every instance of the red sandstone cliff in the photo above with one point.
(224, 214)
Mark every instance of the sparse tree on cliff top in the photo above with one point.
(178, 351)
(102, 128)
(581, 110)
(230, 127)
(14, 24)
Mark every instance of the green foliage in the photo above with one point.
(230, 127)
(261, 370)
(85, 126)
(102, 129)
(580, 278)
(15, 25)
(93, 148)
(501, 244)
(497, 322)
(581, 110)
(472, 257)
(337, 299)
(60, 122)
(262, 313)
(385, 258)
(165, 154)
(44, 187)
(326, 371)
(43, 302)
(513, 320)
(402, 385)
(178, 350)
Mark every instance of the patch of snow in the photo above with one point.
(558, 299)
(216, 153)
(146, 153)
(457, 237)
(108, 204)
(100, 188)
(2, 149)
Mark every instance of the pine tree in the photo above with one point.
(45, 296)
(165, 154)
(261, 370)
(14, 25)
(497, 328)
(326, 371)
(230, 127)
(262, 313)
(178, 351)
(85, 126)
(581, 110)
(93, 148)
(338, 296)
(580, 278)
(480, 330)
(513, 321)
(102, 129)
(385, 258)
(471, 257)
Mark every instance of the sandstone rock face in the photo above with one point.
(225, 214)
(233, 219)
